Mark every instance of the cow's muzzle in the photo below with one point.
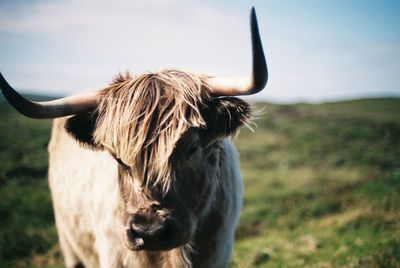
(155, 235)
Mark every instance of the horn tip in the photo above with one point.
(253, 16)
(252, 11)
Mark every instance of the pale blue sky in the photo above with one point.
(317, 50)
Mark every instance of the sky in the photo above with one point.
(317, 50)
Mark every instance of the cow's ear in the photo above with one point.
(81, 128)
(225, 115)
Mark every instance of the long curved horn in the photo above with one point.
(233, 86)
(49, 109)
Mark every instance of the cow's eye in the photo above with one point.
(192, 149)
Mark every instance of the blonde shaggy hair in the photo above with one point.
(141, 118)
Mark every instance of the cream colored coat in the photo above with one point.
(87, 205)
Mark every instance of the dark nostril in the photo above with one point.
(136, 239)
(134, 232)
(139, 231)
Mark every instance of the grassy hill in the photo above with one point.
(322, 188)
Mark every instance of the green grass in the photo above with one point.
(26, 217)
(322, 188)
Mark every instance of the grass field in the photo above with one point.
(322, 188)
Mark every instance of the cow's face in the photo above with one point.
(162, 209)
(159, 219)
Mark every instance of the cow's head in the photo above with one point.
(165, 131)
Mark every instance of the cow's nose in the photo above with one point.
(152, 235)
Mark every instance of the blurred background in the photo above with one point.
(322, 168)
